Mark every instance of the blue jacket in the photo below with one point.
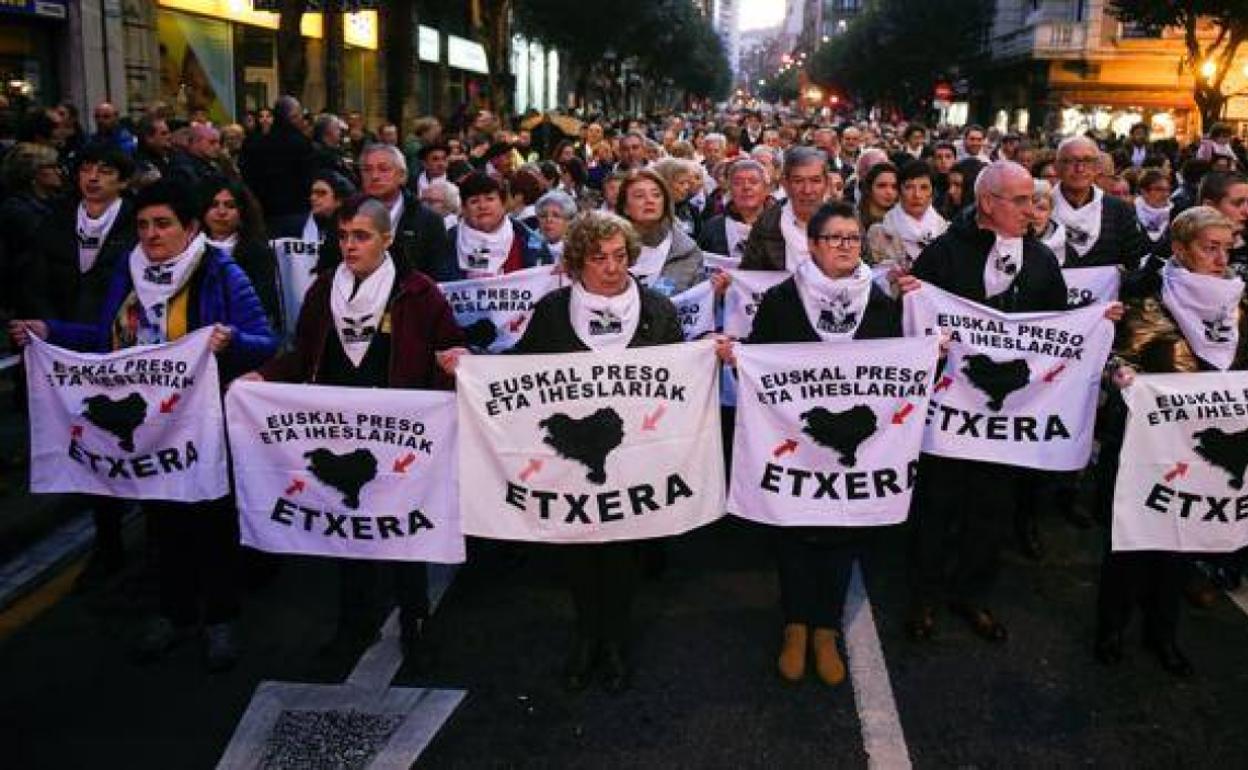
(533, 252)
(222, 295)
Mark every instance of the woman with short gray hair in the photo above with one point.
(555, 210)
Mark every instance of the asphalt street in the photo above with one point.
(705, 693)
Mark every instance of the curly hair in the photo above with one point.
(590, 229)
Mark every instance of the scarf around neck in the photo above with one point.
(796, 244)
(156, 283)
(225, 246)
(1055, 238)
(1153, 220)
(311, 230)
(651, 260)
(1206, 308)
(915, 234)
(357, 306)
(834, 306)
(605, 323)
(1083, 224)
(93, 232)
(1005, 260)
(483, 254)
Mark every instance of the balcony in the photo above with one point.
(1042, 40)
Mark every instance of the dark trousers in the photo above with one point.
(362, 591)
(814, 565)
(603, 580)
(197, 547)
(1153, 580)
(959, 511)
(107, 513)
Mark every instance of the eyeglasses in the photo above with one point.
(1019, 201)
(839, 241)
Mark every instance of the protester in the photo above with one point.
(524, 188)
(33, 180)
(327, 151)
(1044, 227)
(684, 179)
(960, 187)
(555, 211)
(726, 234)
(669, 261)
(233, 226)
(1152, 205)
(1101, 229)
(108, 130)
(278, 167)
(908, 227)
(442, 198)
(1228, 193)
(419, 234)
(487, 241)
(777, 241)
(434, 159)
(196, 543)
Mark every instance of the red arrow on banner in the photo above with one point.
(403, 463)
(516, 323)
(533, 467)
(295, 487)
(651, 421)
(75, 431)
(788, 447)
(901, 414)
(1180, 469)
(944, 383)
(167, 405)
(1052, 373)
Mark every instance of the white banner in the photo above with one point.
(296, 271)
(743, 297)
(829, 434)
(143, 423)
(363, 473)
(494, 312)
(695, 307)
(713, 263)
(590, 447)
(1090, 285)
(1017, 389)
(1181, 472)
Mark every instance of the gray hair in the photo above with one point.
(376, 212)
(762, 149)
(715, 137)
(802, 155)
(748, 164)
(557, 199)
(1188, 226)
(450, 194)
(990, 178)
(1072, 141)
(394, 153)
(1041, 188)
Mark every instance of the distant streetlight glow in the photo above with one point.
(1208, 69)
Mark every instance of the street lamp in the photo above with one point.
(1208, 69)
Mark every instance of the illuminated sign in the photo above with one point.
(52, 9)
(359, 29)
(466, 55)
(429, 44)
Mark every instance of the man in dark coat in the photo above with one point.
(961, 506)
(1113, 238)
(805, 183)
(278, 168)
(419, 233)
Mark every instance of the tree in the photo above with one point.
(781, 88)
(1209, 57)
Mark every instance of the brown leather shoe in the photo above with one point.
(827, 657)
(792, 663)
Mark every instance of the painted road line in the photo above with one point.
(8, 362)
(882, 736)
(1240, 597)
(381, 661)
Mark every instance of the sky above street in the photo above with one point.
(754, 14)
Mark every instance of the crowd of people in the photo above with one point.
(147, 229)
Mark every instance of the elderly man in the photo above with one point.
(778, 239)
(201, 160)
(1102, 229)
(632, 151)
(108, 130)
(419, 233)
(727, 233)
(851, 144)
(154, 156)
(961, 507)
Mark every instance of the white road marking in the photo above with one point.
(1240, 597)
(882, 736)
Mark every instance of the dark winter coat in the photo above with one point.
(54, 286)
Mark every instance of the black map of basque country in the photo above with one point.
(480, 334)
(842, 432)
(119, 418)
(346, 473)
(1228, 451)
(997, 379)
(588, 440)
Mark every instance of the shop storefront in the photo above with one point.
(31, 34)
(537, 76)
(220, 57)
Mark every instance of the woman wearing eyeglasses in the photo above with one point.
(814, 562)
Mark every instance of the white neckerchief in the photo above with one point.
(1153, 220)
(1138, 154)
(1056, 240)
(224, 246)
(737, 233)
(1083, 224)
(93, 232)
(482, 254)
(396, 212)
(358, 311)
(834, 306)
(796, 244)
(605, 323)
(556, 249)
(528, 212)
(155, 283)
(449, 221)
(652, 259)
(914, 234)
(424, 181)
(311, 231)
(1005, 260)
(1206, 308)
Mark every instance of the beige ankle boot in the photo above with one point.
(827, 658)
(793, 654)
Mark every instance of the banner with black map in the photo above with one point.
(362, 473)
(494, 312)
(1016, 389)
(590, 447)
(829, 434)
(143, 423)
(1090, 285)
(1181, 471)
(743, 297)
(296, 271)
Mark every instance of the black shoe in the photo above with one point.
(615, 674)
(582, 659)
(981, 621)
(1108, 648)
(1170, 657)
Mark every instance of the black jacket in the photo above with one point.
(278, 168)
(257, 260)
(550, 329)
(420, 239)
(1121, 241)
(781, 317)
(21, 216)
(54, 286)
(714, 235)
(955, 262)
